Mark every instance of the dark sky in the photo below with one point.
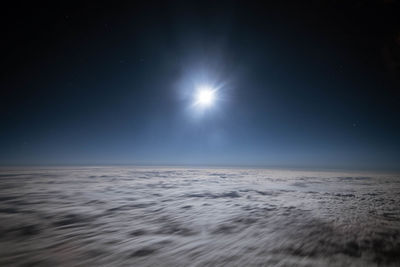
(311, 84)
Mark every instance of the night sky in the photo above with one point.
(300, 85)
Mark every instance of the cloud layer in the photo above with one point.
(177, 216)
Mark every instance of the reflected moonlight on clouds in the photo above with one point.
(124, 216)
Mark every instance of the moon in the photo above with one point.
(205, 96)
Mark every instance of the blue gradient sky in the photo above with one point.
(299, 86)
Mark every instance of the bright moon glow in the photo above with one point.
(205, 96)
